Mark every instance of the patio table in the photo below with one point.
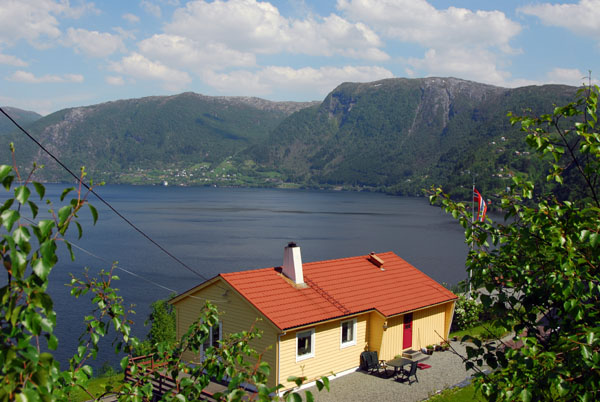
(398, 363)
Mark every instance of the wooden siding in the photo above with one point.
(375, 327)
(388, 342)
(427, 324)
(391, 345)
(329, 356)
(236, 315)
(449, 318)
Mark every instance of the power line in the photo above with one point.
(102, 199)
(142, 277)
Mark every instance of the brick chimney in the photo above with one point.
(292, 263)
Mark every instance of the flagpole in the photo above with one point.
(472, 234)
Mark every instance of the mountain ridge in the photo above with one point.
(397, 135)
(21, 116)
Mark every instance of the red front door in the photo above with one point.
(407, 335)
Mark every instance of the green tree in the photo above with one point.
(540, 267)
(162, 322)
(162, 319)
(27, 318)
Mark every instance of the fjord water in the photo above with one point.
(217, 230)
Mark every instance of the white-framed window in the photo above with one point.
(215, 335)
(348, 333)
(305, 344)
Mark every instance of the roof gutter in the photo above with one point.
(279, 357)
(341, 317)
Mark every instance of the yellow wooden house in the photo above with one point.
(318, 317)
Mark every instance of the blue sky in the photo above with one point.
(60, 53)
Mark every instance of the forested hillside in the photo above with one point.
(23, 117)
(396, 135)
(138, 140)
(402, 135)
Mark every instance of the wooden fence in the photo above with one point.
(161, 382)
(146, 366)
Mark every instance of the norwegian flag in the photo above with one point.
(481, 205)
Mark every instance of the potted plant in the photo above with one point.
(429, 349)
(445, 346)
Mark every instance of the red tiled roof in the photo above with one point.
(338, 288)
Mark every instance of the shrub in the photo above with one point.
(466, 313)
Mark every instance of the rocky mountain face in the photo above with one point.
(402, 135)
(395, 135)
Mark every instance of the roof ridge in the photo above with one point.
(337, 288)
(304, 263)
(344, 258)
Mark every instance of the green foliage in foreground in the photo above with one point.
(466, 313)
(96, 387)
(466, 394)
(162, 322)
(484, 331)
(541, 267)
(28, 249)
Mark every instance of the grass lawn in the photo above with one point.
(465, 394)
(96, 387)
(481, 331)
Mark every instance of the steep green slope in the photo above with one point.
(23, 117)
(394, 135)
(154, 133)
(402, 135)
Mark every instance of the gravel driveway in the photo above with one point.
(446, 371)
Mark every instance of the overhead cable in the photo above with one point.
(103, 200)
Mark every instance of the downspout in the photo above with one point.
(279, 357)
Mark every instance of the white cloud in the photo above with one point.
(36, 20)
(417, 21)
(197, 56)
(73, 77)
(27, 77)
(52, 103)
(28, 20)
(114, 80)
(124, 33)
(252, 26)
(306, 82)
(93, 43)
(78, 11)
(567, 76)
(457, 42)
(334, 36)
(131, 18)
(581, 18)
(12, 60)
(151, 8)
(139, 67)
(564, 76)
(473, 64)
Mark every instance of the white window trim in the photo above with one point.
(210, 339)
(353, 341)
(312, 344)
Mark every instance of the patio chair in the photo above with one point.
(371, 364)
(406, 374)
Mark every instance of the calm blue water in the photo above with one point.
(230, 229)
